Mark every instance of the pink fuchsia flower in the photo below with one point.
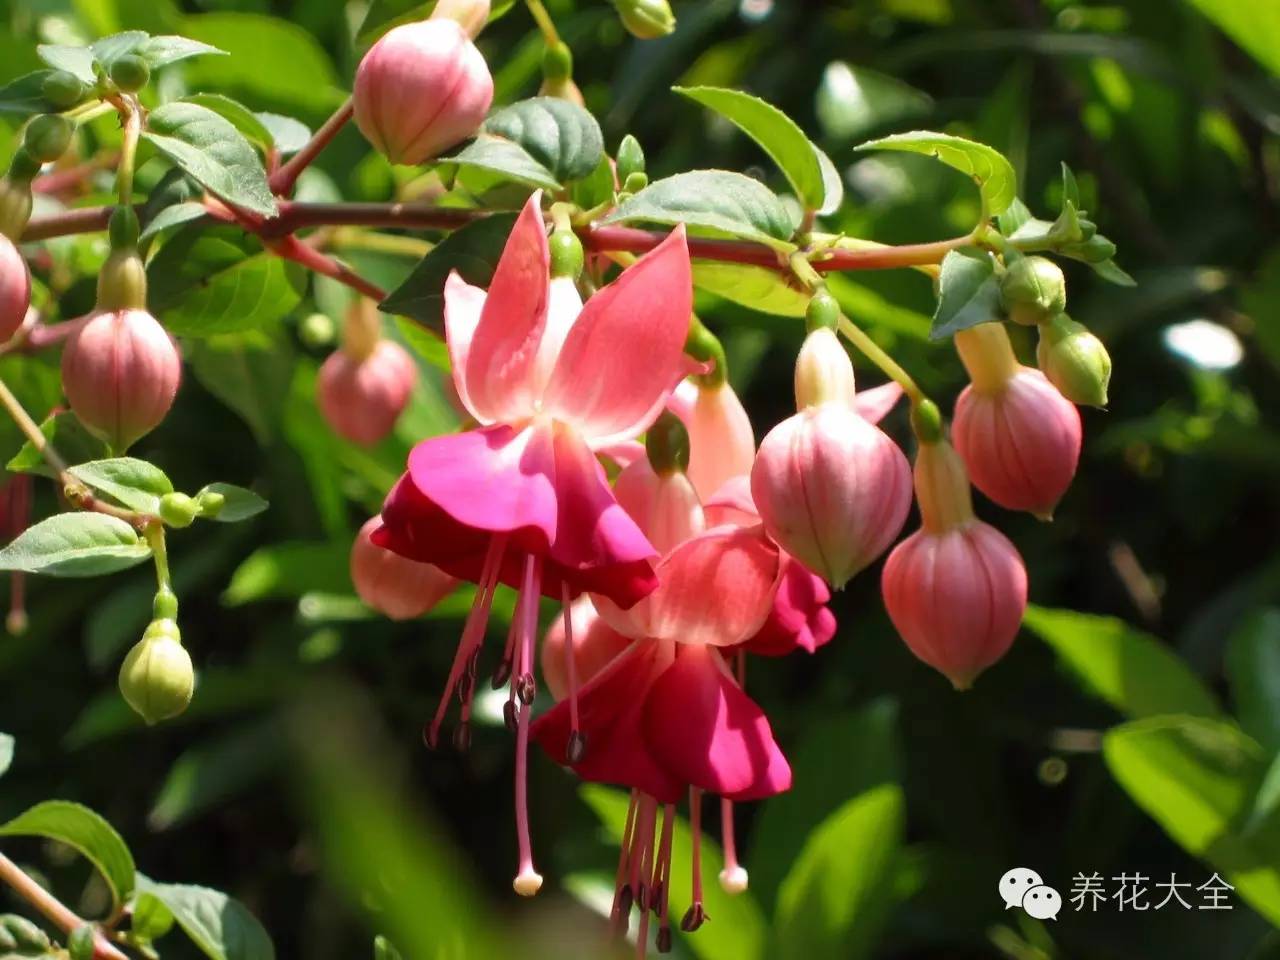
(832, 489)
(722, 444)
(420, 90)
(15, 289)
(362, 397)
(957, 588)
(1018, 436)
(394, 585)
(522, 499)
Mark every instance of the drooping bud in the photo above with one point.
(15, 289)
(1033, 290)
(595, 643)
(662, 502)
(722, 444)
(824, 372)
(122, 282)
(471, 15)
(646, 19)
(120, 372)
(157, 678)
(421, 89)
(48, 136)
(822, 312)
(63, 90)
(394, 585)
(130, 73)
(987, 355)
(178, 510)
(1021, 444)
(1075, 361)
(957, 588)
(362, 399)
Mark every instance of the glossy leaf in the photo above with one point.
(1253, 667)
(993, 174)
(172, 217)
(968, 293)
(239, 503)
(75, 545)
(222, 927)
(87, 833)
(506, 159)
(25, 95)
(240, 116)
(135, 483)
(561, 136)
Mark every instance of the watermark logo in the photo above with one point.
(1128, 892)
(1023, 887)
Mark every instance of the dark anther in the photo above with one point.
(526, 688)
(624, 901)
(642, 897)
(664, 939)
(509, 715)
(576, 748)
(694, 917)
(428, 736)
(462, 737)
(502, 674)
(655, 899)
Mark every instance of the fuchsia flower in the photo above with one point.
(523, 499)
(361, 398)
(722, 444)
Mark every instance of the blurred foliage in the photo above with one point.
(1141, 737)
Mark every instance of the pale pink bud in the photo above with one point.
(394, 585)
(120, 372)
(1021, 444)
(833, 490)
(361, 399)
(15, 289)
(471, 15)
(420, 90)
(722, 444)
(664, 506)
(595, 644)
(824, 372)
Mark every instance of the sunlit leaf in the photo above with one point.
(84, 831)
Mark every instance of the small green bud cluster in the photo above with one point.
(21, 937)
(630, 165)
(47, 137)
(567, 256)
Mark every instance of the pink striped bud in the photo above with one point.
(595, 644)
(833, 490)
(394, 585)
(15, 289)
(120, 372)
(957, 588)
(361, 399)
(420, 90)
(1019, 437)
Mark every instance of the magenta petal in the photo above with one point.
(706, 732)
(799, 618)
(502, 357)
(625, 353)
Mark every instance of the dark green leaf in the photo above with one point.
(968, 293)
(220, 926)
(597, 188)
(111, 48)
(77, 61)
(219, 280)
(149, 918)
(170, 217)
(210, 149)
(75, 545)
(718, 200)
(86, 832)
(1110, 271)
(993, 173)
(1253, 666)
(135, 483)
(383, 15)
(776, 133)
(249, 372)
(473, 251)
(25, 95)
(240, 504)
(73, 442)
(562, 136)
(500, 156)
(244, 119)
(6, 753)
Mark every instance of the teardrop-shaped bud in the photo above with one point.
(646, 19)
(1075, 361)
(120, 372)
(420, 90)
(394, 585)
(361, 399)
(15, 289)
(157, 678)
(1033, 290)
(824, 372)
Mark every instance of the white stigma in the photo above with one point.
(527, 883)
(733, 880)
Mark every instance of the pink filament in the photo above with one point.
(530, 590)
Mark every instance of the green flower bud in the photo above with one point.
(667, 444)
(926, 421)
(130, 73)
(630, 158)
(211, 503)
(165, 605)
(566, 254)
(23, 167)
(823, 312)
(1074, 361)
(122, 282)
(1033, 290)
(7, 943)
(157, 678)
(15, 205)
(178, 510)
(28, 938)
(635, 183)
(557, 62)
(63, 90)
(1094, 250)
(48, 136)
(317, 330)
(123, 229)
(80, 943)
(646, 19)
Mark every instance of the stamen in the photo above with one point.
(577, 746)
(662, 866)
(618, 913)
(528, 881)
(695, 916)
(733, 878)
(641, 845)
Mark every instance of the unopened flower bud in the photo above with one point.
(63, 90)
(635, 182)
(646, 19)
(317, 330)
(421, 89)
(1033, 290)
(130, 73)
(15, 289)
(48, 136)
(722, 444)
(557, 62)
(210, 503)
(122, 282)
(471, 15)
(1075, 361)
(27, 938)
(822, 313)
(178, 510)
(630, 157)
(123, 229)
(824, 372)
(394, 585)
(81, 943)
(120, 372)
(362, 398)
(567, 255)
(15, 200)
(157, 678)
(667, 445)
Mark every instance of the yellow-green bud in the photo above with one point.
(80, 944)
(15, 205)
(630, 158)
(157, 678)
(317, 330)
(635, 182)
(178, 510)
(130, 73)
(63, 90)
(210, 503)
(646, 19)
(1033, 291)
(27, 937)
(823, 312)
(48, 136)
(557, 62)
(566, 254)
(122, 282)
(123, 228)
(1074, 361)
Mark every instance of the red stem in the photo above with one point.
(291, 248)
(283, 180)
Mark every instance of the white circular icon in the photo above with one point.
(1015, 884)
(1042, 902)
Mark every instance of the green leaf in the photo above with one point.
(508, 160)
(223, 928)
(135, 483)
(728, 203)
(6, 753)
(1197, 778)
(1132, 671)
(854, 100)
(25, 95)
(384, 15)
(240, 504)
(737, 928)
(66, 432)
(835, 900)
(289, 135)
(777, 135)
(86, 832)
(170, 217)
(149, 918)
(1070, 189)
(756, 287)
(161, 51)
(75, 545)
(968, 293)
(1014, 218)
(240, 116)
(220, 280)
(1110, 271)
(109, 49)
(1253, 667)
(473, 251)
(430, 346)
(1254, 26)
(561, 136)
(832, 184)
(993, 173)
(249, 372)
(77, 61)
(593, 190)
(210, 149)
